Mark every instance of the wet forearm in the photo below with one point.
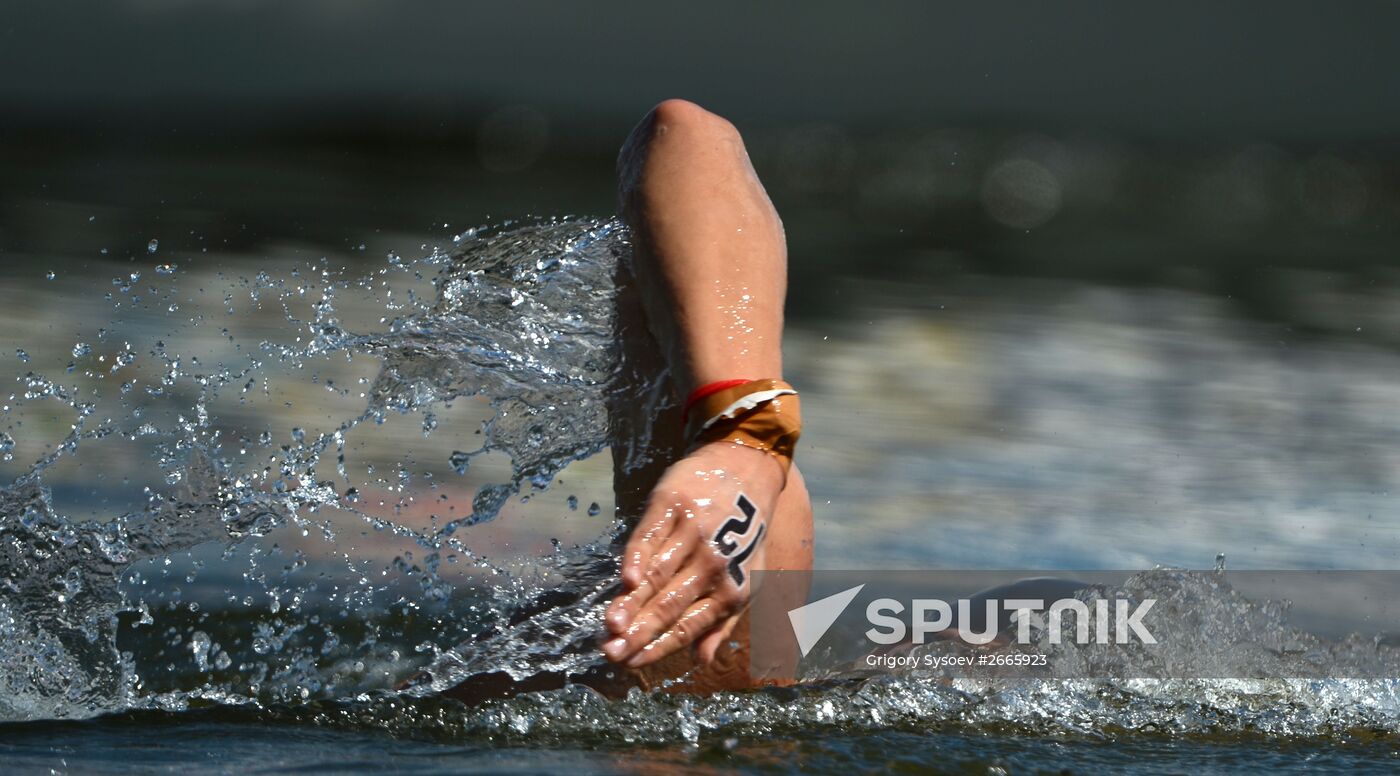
(710, 250)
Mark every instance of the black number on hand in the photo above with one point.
(729, 538)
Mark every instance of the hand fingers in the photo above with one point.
(697, 622)
(652, 531)
(663, 610)
(624, 608)
(659, 571)
(710, 643)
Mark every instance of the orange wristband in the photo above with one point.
(763, 414)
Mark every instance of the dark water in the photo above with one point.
(276, 502)
(225, 743)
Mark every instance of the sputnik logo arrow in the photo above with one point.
(811, 622)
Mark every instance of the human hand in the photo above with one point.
(687, 566)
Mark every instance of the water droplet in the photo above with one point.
(165, 269)
(21, 355)
(594, 509)
(50, 275)
(299, 435)
(152, 246)
(199, 645)
(81, 349)
(573, 503)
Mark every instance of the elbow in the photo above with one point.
(675, 127)
(690, 121)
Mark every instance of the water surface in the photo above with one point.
(253, 484)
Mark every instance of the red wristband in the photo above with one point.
(708, 389)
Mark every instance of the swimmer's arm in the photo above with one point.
(711, 256)
(711, 261)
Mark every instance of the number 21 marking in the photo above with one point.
(730, 538)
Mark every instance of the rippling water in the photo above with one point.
(263, 499)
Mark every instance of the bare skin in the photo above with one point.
(710, 267)
(702, 300)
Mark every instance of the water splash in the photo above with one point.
(91, 612)
(227, 562)
(1239, 637)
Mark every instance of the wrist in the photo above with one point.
(750, 466)
(762, 415)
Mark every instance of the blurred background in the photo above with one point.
(1124, 275)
